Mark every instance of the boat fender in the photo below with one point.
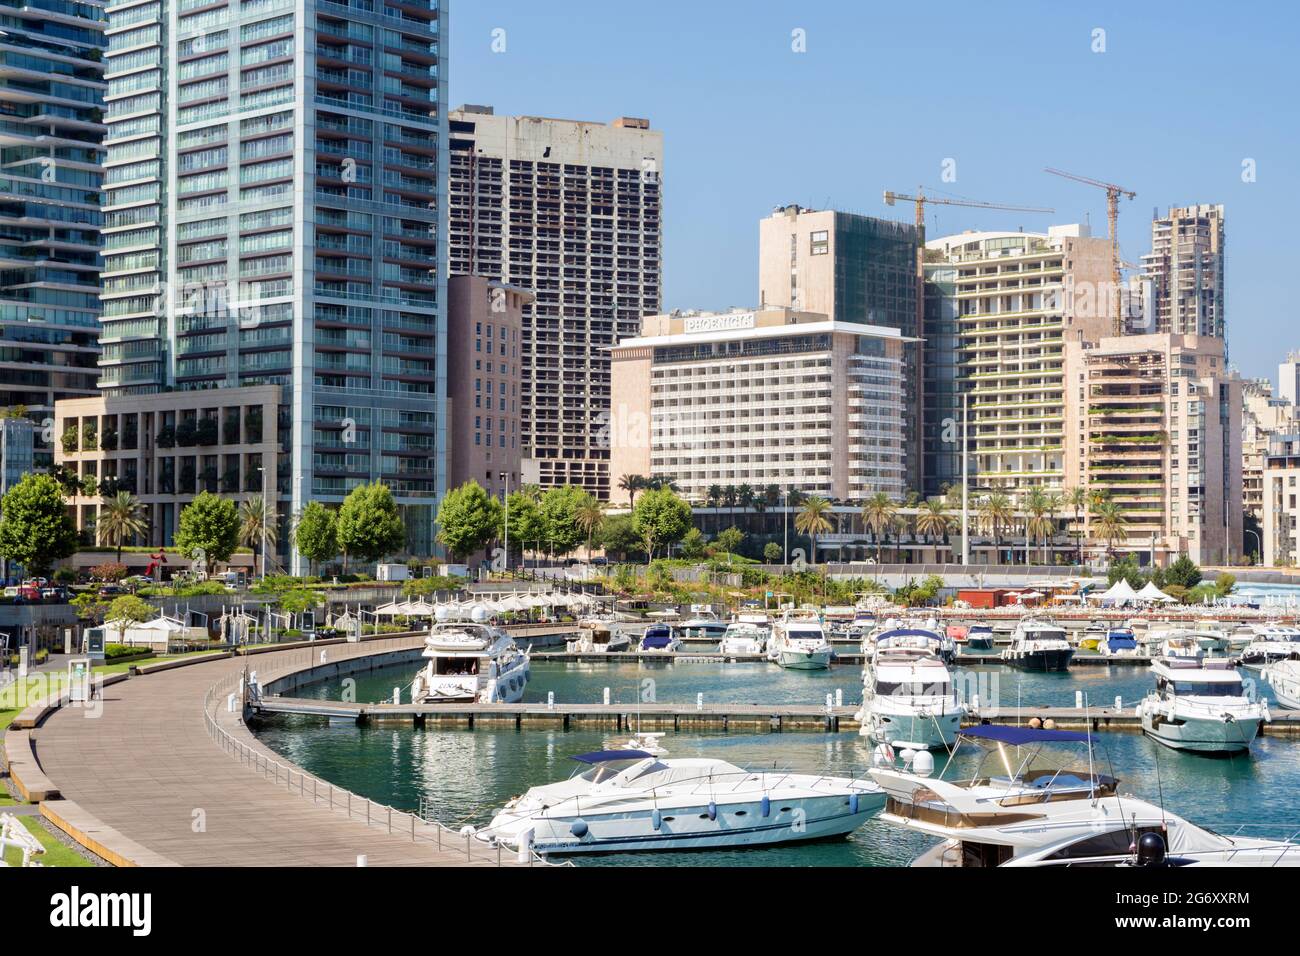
(765, 806)
(853, 804)
(656, 819)
(578, 828)
(713, 810)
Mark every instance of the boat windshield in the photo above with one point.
(612, 768)
(1187, 688)
(913, 689)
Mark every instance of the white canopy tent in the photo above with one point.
(1119, 593)
(1153, 593)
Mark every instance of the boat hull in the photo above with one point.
(817, 660)
(1201, 735)
(1047, 660)
(690, 828)
(913, 730)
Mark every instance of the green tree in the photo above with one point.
(526, 522)
(996, 513)
(370, 523)
(660, 518)
(299, 601)
(619, 536)
(317, 533)
(812, 521)
(1109, 520)
(121, 519)
(632, 484)
(468, 519)
(693, 544)
(35, 527)
(1077, 499)
(932, 520)
(878, 515)
(730, 540)
(772, 553)
(1184, 572)
(129, 609)
(259, 525)
(590, 515)
(559, 510)
(209, 530)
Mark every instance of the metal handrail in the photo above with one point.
(296, 780)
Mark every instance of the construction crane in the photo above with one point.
(920, 199)
(1113, 193)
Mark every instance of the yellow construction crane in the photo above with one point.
(1113, 193)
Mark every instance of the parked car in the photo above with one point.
(110, 590)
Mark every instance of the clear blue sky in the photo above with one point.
(886, 92)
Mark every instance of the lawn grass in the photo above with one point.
(56, 853)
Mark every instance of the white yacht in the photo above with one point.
(838, 619)
(909, 701)
(1022, 808)
(1039, 646)
(1284, 678)
(979, 638)
(1182, 646)
(599, 636)
(636, 799)
(799, 643)
(660, 639)
(915, 640)
(704, 624)
(747, 634)
(1200, 706)
(470, 663)
(1271, 642)
(863, 623)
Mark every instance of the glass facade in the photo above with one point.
(277, 178)
(51, 111)
(941, 434)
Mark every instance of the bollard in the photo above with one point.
(606, 697)
(839, 696)
(397, 695)
(230, 703)
(830, 703)
(1078, 700)
(322, 656)
(361, 859)
(525, 847)
(699, 701)
(975, 702)
(1119, 702)
(550, 700)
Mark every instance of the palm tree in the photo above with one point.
(1109, 520)
(1036, 522)
(878, 515)
(745, 497)
(121, 519)
(932, 519)
(996, 511)
(1077, 498)
(258, 523)
(631, 484)
(590, 515)
(1054, 503)
(812, 521)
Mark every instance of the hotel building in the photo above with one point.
(1019, 297)
(1184, 272)
(852, 269)
(573, 212)
(1153, 422)
(1282, 501)
(484, 340)
(274, 198)
(765, 397)
(51, 131)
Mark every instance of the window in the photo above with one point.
(821, 243)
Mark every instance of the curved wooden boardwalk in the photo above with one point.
(149, 782)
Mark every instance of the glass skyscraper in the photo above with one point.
(275, 213)
(51, 106)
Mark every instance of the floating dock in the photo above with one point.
(689, 656)
(735, 718)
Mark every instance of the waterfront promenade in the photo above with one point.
(153, 781)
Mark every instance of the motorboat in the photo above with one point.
(747, 634)
(1284, 678)
(909, 701)
(599, 636)
(799, 643)
(1271, 642)
(837, 620)
(906, 638)
(863, 623)
(979, 637)
(1024, 807)
(1120, 642)
(1038, 646)
(636, 798)
(470, 663)
(1182, 646)
(704, 624)
(1093, 635)
(660, 639)
(1200, 706)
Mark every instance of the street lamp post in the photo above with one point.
(505, 500)
(965, 478)
(1259, 543)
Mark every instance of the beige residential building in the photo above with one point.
(764, 397)
(484, 340)
(166, 449)
(1184, 272)
(1264, 417)
(1020, 298)
(1281, 478)
(1153, 422)
(571, 211)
